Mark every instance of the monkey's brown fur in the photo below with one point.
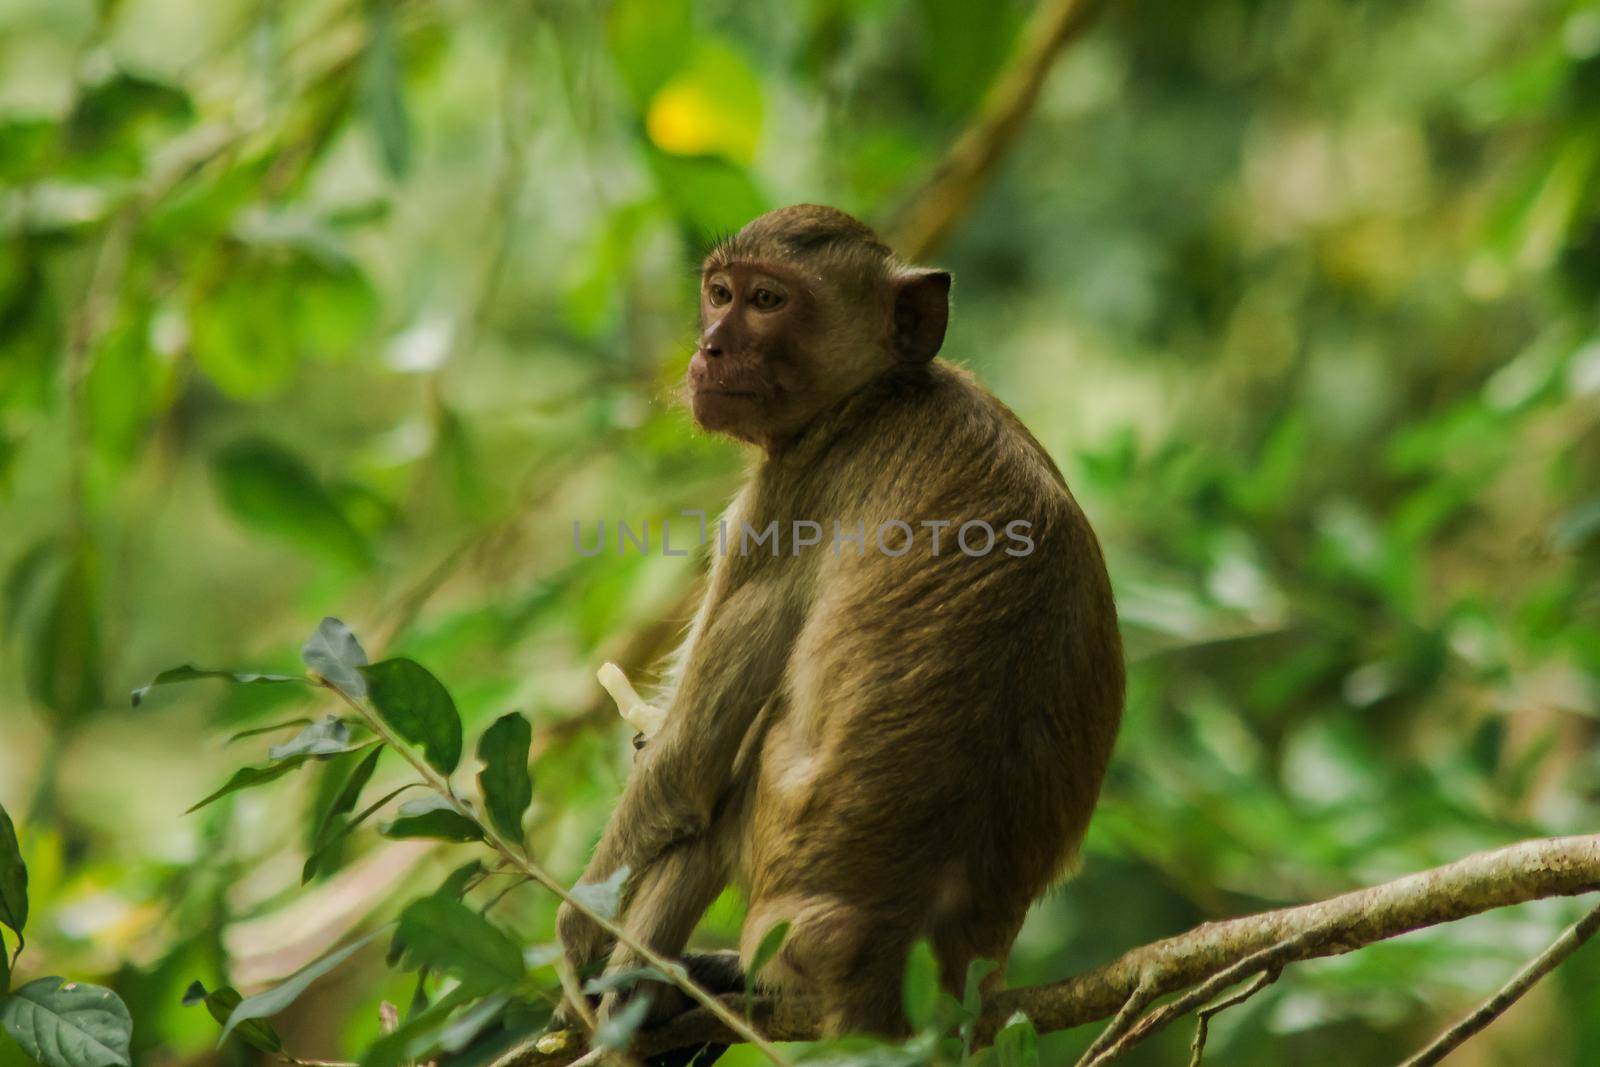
(877, 748)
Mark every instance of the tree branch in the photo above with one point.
(1569, 942)
(1530, 870)
(926, 217)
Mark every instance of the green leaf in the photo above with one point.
(771, 943)
(13, 879)
(708, 194)
(330, 737)
(262, 773)
(274, 1000)
(506, 785)
(605, 983)
(272, 490)
(1017, 1043)
(257, 731)
(602, 898)
(220, 1003)
(190, 673)
(448, 936)
(319, 854)
(68, 1024)
(334, 654)
(432, 817)
(418, 707)
(348, 796)
(383, 91)
(454, 887)
(617, 1032)
(920, 991)
(23, 579)
(972, 994)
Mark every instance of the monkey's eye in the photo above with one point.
(765, 299)
(720, 294)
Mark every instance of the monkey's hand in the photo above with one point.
(583, 940)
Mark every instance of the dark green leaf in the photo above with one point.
(220, 1002)
(257, 731)
(333, 653)
(272, 490)
(68, 1024)
(1017, 1044)
(418, 707)
(617, 1032)
(432, 817)
(454, 887)
(348, 796)
(507, 787)
(319, 854)
(920, 991)
(448, 936)
(262, 773)
(13, 878)
(330, 737)
(602, 898)
(189, 673)
(274, 1000)
(383, 91)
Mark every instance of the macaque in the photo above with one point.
(882, 732)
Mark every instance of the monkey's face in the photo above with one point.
(749, 376)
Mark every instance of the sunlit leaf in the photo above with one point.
(68, 1024)
(506, 784)
(447, 936)
(332, 652)
(272, 490)
(269, 1003)
(432, 817)
(220, 1002)
(189, 673)
(710, 107)
(418, 707)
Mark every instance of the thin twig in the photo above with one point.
(517, 858)
(1271, 958)
(1197, 1048)
(1141, 996)
(1569, 942)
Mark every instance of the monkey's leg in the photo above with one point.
(849, 957)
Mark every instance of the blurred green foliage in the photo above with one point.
(354, 308)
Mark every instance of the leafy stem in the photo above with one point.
(515, 856)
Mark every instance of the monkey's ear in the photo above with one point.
(921, 312)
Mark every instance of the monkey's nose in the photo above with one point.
(712, 349)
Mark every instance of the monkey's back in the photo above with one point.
(949, 712)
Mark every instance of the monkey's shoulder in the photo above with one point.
(944, 432)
